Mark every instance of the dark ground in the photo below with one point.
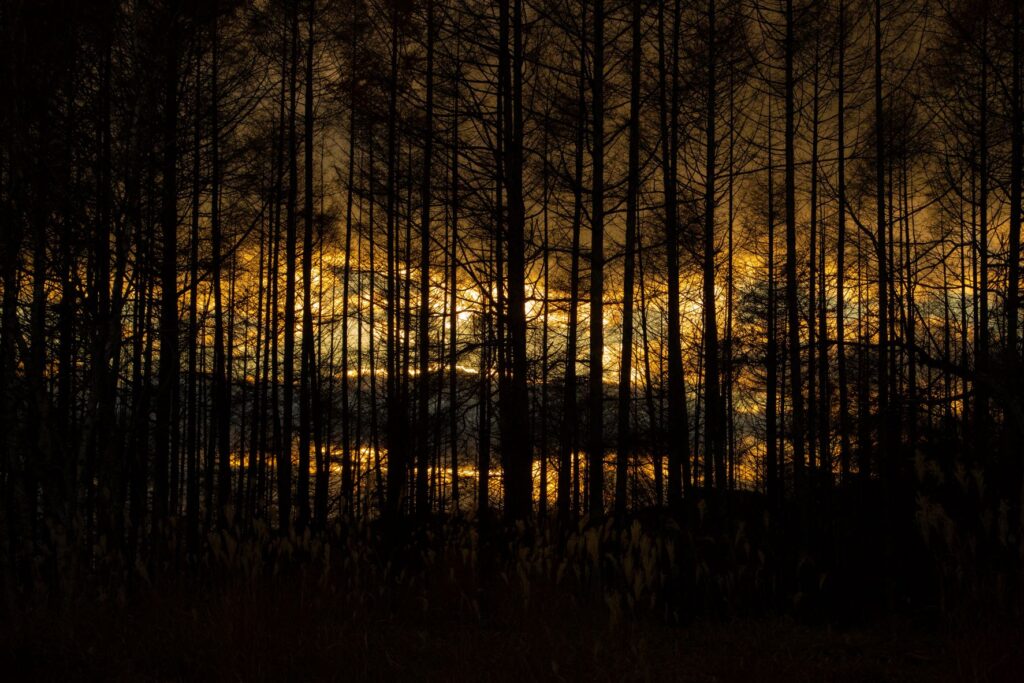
(283, 631)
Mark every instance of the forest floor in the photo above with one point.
(284, 631)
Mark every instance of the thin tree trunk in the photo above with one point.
(792, 310)
(624, 447)
(678, 446)
(221, 404)
(714, 423)
(880, 246)
(396, 426)
(772, 466)
(192, 417)
(167, 399)
(1016, 154)
(453, 264)
(424, 313)
(595, 446)
(285, 463)
(567, 446)
(309, 417)
(981, 340)
(844, 398)
(346, 415)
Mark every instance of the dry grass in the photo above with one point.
(600, 605)
(283, 633)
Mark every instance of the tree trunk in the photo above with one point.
(167, 399)
(678, 421)
(792, 310)
(714, 426)
(624, 446)
(595, 447)
(424, 314)
(844, 398)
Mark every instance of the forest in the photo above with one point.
(543, 339)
